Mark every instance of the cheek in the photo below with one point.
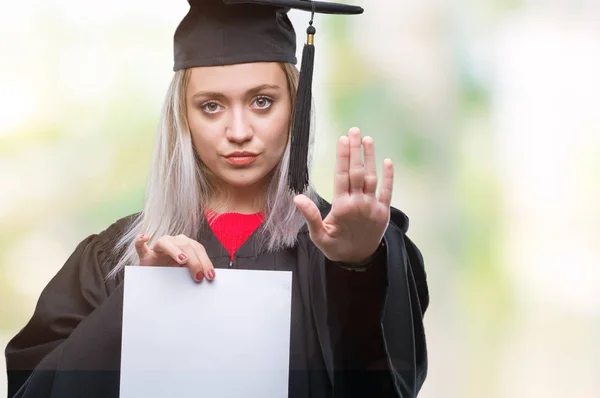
(278, 133)
(203, 136)
(275, 142)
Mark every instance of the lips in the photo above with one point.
(239, 154)
(240, 158)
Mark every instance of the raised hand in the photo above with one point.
(178, 251)
(355, 225)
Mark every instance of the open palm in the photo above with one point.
(355, 225)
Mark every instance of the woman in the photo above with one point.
(219, 197)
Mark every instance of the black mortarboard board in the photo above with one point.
(226, 32)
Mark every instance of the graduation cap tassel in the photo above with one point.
(298, 168)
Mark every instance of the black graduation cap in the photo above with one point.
(226, 32)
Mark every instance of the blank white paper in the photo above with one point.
(226, 338)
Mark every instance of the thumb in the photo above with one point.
(311, 213)
(140, 245)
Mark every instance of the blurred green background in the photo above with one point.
(489, 110)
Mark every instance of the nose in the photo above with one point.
(238, 130)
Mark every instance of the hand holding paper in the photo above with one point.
(176, 251)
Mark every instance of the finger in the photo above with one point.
(357, 170)
(208, 268)
(341, 183)
(312, 215)
(370, 179)
(194, 263)
(385, 192)
(141, 247)
(167, 246)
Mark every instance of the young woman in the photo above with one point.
(219, 197)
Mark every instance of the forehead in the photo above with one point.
(231, 79)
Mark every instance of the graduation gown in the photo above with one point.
(353, 334)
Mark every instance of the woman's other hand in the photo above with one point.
(353, 229)
(177, 251)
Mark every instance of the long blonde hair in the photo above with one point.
(178, 189)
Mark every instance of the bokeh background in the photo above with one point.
(490, 110)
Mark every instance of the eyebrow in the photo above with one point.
(252, 91)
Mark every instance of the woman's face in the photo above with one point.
(239, 118)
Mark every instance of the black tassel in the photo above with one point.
(298, 167)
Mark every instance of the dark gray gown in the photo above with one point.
(353, 334)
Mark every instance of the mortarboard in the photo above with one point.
(226, 32)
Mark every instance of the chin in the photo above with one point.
(244, 180)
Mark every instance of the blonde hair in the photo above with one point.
(178, 188)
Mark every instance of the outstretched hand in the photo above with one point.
(355, 225)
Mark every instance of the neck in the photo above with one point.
(244, 200)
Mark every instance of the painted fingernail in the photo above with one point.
(210, 273)
(182, 257)
(199, 276)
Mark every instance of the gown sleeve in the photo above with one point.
(71, 345)
(372, 321)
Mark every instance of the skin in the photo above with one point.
(226, 113)
(242, 107)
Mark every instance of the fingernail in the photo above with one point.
(142, 236)
(199, 276)
(182, 257)
(210, 273)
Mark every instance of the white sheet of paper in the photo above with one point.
(226, 338)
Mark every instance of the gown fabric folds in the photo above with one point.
(353, 334)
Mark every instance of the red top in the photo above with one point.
(233, 229)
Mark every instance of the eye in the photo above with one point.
(211, 107)
(262, 102)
